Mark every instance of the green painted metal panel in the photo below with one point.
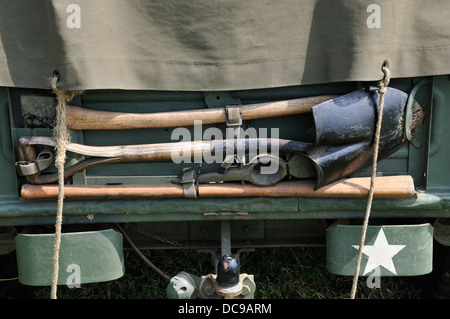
(8, 186)
(85, 257)
(40, 212)
(439, 152)
(389, 250)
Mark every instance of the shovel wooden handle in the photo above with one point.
(165, 151)
(150, 152)
(85, 119)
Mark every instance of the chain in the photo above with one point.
(159, 238)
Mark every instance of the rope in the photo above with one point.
(9, 279)
(382, 90)
(62, 138)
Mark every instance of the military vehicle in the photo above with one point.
(223, 127)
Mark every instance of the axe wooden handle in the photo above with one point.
(385, 187)
(84, 119)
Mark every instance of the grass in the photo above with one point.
(280, 273)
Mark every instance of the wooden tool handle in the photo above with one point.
(84, 119)
(167, 151)
(385, 187)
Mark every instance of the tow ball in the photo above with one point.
(227, 283)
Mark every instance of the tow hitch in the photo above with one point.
(226, 283)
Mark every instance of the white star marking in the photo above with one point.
(380, 253)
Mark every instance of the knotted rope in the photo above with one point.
(62, 137)
(381, 91)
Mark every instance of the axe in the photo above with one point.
(79, 118)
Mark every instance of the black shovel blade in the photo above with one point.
(345, 130)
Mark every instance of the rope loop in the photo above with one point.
(383, 83)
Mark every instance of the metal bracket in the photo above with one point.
(233, 115)
(27, 168)
(188, 180)
(225, 237)
(233, 121)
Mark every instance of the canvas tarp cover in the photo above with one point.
(219, 45)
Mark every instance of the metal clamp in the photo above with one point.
(27, 168)
(188, 181)
(233, 115)
(234, 121)
(251, 172)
